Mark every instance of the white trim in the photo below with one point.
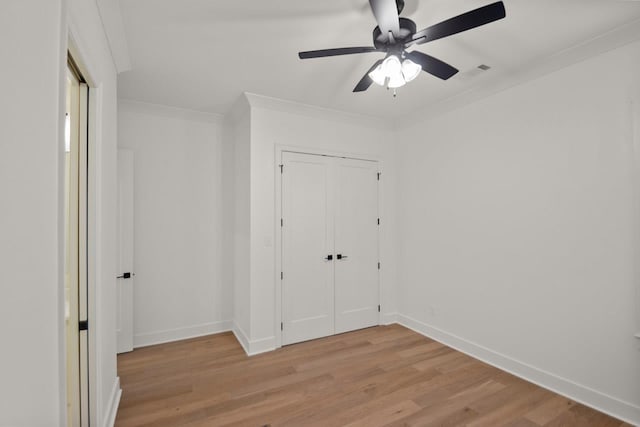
(277, 232)
(625, 411)
(389, 318)
(177, 334)
(80, 52)
(262, 345)
(584, 50)
(300, 109)
(128, 105)
(113, 27)
(253, 347)
(277, 247)
(114, 402)
(240, 110)
(241, 336)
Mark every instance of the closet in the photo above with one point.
(330, 262)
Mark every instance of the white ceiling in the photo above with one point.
(202, 54)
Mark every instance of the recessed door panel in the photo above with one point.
(356, 245)
(307, 285)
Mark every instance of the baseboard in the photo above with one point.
(389, 318)
(253, 347)
(169, 335)
(114, 402)
(241, 336)
(579, 393)
(262, 346)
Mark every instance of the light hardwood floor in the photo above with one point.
(382, 376)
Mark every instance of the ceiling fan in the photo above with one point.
(394, 35)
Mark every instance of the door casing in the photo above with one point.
(279, 149)
(93, 238)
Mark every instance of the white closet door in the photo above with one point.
(307, 239)
(356, 245)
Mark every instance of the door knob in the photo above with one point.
(126, 275)
(329, 257)
(340, 256)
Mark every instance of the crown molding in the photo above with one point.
(292, 107)
(611, 40)
(113, 26)
(240, 109)
(128, 105)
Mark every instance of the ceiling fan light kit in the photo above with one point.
(394, 35)
(393, 74)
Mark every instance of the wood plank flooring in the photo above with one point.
(382, 376)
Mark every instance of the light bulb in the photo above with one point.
(410, 70)
(396, 80)
(391, 66)
(378, 76)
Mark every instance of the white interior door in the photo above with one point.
(76, 287)
(356, 245)
(124, 315)
(307, 239)
(329, 246)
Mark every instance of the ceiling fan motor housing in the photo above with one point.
(397, 34)
(407, 29)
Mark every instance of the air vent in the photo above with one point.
(472, 73)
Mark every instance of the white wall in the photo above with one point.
(275, 122)
(520, 230)
(178, 192)
(30, 160)
(34, 42)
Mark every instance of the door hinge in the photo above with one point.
(378, 221)
(281, 222)
(281, 326)
(378, 266)
(379, 173)
(281, 168)
(281, 275)
(378, 308)
(83, 325)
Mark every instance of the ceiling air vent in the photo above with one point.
(473, 73)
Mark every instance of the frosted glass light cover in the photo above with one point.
(410, 70)
(396, 80)
(391, 66)
(378, 76)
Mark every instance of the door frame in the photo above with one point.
(277, 230)
(81, 57)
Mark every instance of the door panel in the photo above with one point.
(307, 286)
(329, 207)
(124, 292)
(356, 245)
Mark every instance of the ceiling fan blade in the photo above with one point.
(366, 80)
(460, 23)
(336, 52)
(432, 65)
(386, 13)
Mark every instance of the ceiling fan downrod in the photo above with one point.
(393, 35)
